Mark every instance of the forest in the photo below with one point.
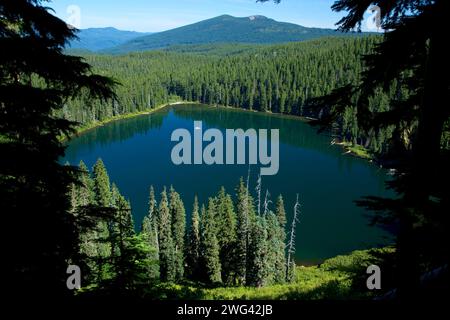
(281, 79)
(229, 241)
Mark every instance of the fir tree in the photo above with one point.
(245, 217)
(121, 231)
(279, 240)
(178, 216)
(280, 212)
(103, 199)
(210, 249)
(101, 184)
(193, 243)
(242, 232)
(37, 78)
(88, 238)
(149, 232)
(226, 233)
(276, 258)
(166, 245)
(257, 256)
(135, 268)
(86, 195)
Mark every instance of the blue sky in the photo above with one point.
(159, 15)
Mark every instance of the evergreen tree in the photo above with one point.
(210, 250)
(178, 215)
(167, 256)
(245, 217)
(257, 256)
(87, 238)
(152, 208)
(242, 232)
(193, 243)
(102, 186)
(86, 195)
(278, 230)
(149, 233)
(276, 259)
(226, 233)
(135, 267)
(103, 199)
(121, 231)
(33, 183)
(123, 218)
(280, 212)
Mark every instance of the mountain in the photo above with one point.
(95, 39)
(225, 29)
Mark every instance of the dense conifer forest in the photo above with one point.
(281, 79)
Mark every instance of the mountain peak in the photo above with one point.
(226, 29)
(257, 17)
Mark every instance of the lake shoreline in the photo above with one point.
(355, 151)
(85, 128)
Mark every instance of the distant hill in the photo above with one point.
(95, 39)
(225, 29)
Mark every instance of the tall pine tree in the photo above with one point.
(210, 250)
(167, 257)
(193, 243)
(149, 233)
(178, 215)
(226, 233)
(279, 239)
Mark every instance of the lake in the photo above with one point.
(137, 154)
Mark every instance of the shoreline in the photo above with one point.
(356, 151)
(85, 128)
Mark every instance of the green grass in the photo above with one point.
(339, 278)
(357, 150)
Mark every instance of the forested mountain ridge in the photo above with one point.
(94, 39)
(225, 29)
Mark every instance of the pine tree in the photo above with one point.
(149, 232)
(37, 77)
(87, 238)
(138, 266)
(124, 217)
(121, 230)
(276, 260)
(210, 250)
(242, 232)
(279, 240)
(166, 245)
(280, 212)
(257, 256)
(86, 194)
(101, 184)
(226, 233)
(178, 216)
(152, 208)
(102, 194)
(193, 243)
